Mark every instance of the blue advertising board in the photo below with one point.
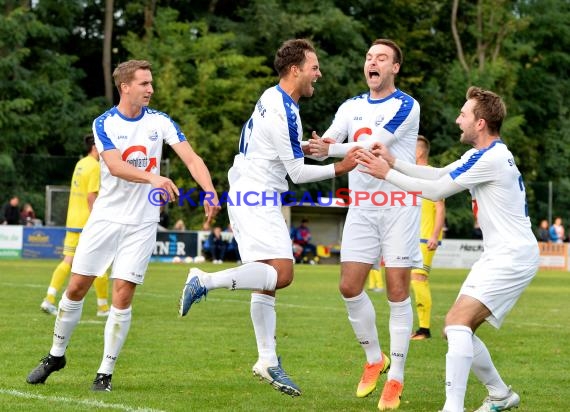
(43, 242)
(170, 244)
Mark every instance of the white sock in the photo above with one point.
(486, 372)
(67, 319)
(401, 325)
(264, 321)
(362, 317)
(251, 276)
(116, 331)
(457, 365)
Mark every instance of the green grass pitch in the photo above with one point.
(203, 362)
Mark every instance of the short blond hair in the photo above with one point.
(125, 72)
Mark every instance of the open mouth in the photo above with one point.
(373, 74)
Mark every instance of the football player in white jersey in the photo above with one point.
(269, 150)
(382, 219)
(510, 258)
(121, 229)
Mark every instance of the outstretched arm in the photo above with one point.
(430, 189)
(411, 169)
(299, 172)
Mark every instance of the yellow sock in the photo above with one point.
(375, 280)
(102, 288)
(58, 278)
(422, 293)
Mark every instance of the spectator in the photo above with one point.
(11, 212)
(232, 249)
(542, 233)
(28, 216)
(164, 220)
(218, 245)
(557, 231)
(179, 225)
(301, 237)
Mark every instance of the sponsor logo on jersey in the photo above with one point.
(142, 161)
(153, 135)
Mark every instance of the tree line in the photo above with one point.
(211, 60)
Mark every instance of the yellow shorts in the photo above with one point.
(70, 243)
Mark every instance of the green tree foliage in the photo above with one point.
(41, 105)
(212, 59)
(543, 93)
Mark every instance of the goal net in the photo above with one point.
(57, 198)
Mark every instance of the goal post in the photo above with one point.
(57, 199)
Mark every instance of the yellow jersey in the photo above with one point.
(428, 221)
(86, 179)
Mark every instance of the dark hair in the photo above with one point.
(489, 107)
(398, 56)
(88, 141)
(125, 72)
(291, 53)
(425, 141)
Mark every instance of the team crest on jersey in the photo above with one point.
(379, 120)
(153, 135)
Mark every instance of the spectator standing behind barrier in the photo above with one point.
(28, 216)
(11, 212)
(557, 231)
(179, 225)
(431, 232)
(543, 233)
(164, 220)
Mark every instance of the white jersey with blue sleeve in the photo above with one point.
(139, 140)
(392, 121)
(499, 201)
(270, 147)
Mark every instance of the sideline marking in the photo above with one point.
(90, 403)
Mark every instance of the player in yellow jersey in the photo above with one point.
(431, 232)
(375, 277)
(84, 189)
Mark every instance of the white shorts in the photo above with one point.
(127, 247)
(392, 233)
(497, 282)
(261, 232)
